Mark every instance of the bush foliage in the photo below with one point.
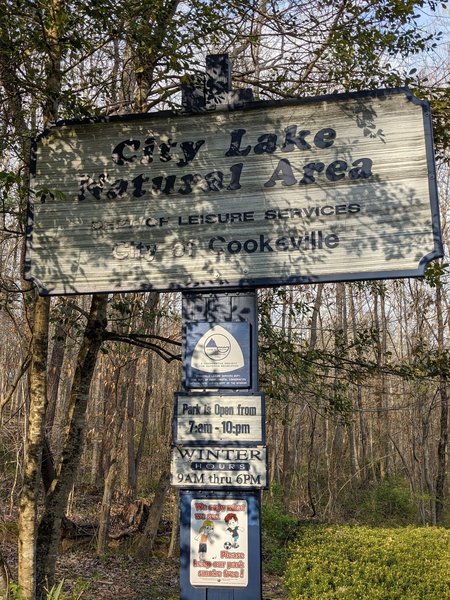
(278, 530)
(387, 503)
(356, 563)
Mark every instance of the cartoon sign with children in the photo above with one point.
(219, 543)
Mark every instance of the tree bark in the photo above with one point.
(111, 477)
(33, 451)
(105, 511)
(151, 306)
(97, 392)
(443, 419)
(359, 405)
(383, 426)
(48, 471)
(442, 454)
(5, 578)
(145, 417)
(49, 532)
(130, 429)
(174, 535)
(312, 432)
(336, 446)
(28, 536)
(287, 451)
(54, 373)
(144, 543)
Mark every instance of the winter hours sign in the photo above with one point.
(334, 188)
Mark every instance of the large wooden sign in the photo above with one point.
(334, 188)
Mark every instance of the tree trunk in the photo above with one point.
(175, 526)
(49, 532)
(151, 307)
(54, 372)
(5, 578)
(383, 426)
(336, 447)
(442, 454)
(130, 429)
(313, 415)
(48, 472)
(286, 325)
(443, 420)
(354, 467)
(144, 543)
(363, 434)
(33, 451)
(273, 462)
(110, 481)
(427, 474)
(145, 417)
(312, 432)
(97, 427)
(105, 511)
(28, 558)
(363, 456)
(315, 317)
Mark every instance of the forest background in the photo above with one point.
(355, 374)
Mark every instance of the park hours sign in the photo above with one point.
(224, 419)
(219, 467)
(332, 188)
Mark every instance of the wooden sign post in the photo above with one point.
(219, 456)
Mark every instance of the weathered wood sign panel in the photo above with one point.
(333, 188)
(219, 467)
(219, 418)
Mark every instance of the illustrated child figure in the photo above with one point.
(233, 528)
(204, 535)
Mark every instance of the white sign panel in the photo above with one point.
(219, 543)
(217, 355)
(218, 418)
(333, 188)
(217, 352)
(219, 467)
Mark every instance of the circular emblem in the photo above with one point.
(217, 347)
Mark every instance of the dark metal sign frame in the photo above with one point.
(253, 590)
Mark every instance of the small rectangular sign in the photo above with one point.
(217, 355)
(219, 467)
(219, 418)
(219, 542)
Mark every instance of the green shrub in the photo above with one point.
(278, 529)
(387, 503)
(359, 563)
